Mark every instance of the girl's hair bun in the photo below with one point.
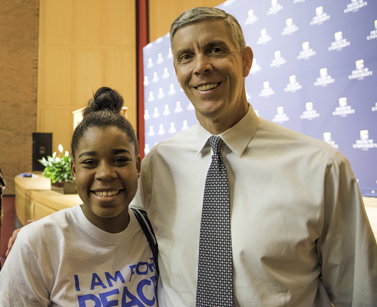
(105, 99)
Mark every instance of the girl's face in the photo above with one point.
(106, 170)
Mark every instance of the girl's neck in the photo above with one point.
(114, 224)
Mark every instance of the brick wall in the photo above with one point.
(18, 86)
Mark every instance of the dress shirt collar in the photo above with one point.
(236, 137)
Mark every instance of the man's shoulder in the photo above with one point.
(283, 134)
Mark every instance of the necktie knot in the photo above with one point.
(216, 144)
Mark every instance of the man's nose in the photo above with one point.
(202, 64)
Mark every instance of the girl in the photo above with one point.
(95, 254)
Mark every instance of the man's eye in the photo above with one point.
(216, 50)
(185, 57)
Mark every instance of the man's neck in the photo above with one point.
(218, 125)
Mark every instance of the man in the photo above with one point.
(299, 232)
(300, 235)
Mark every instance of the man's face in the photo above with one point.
(211, 71)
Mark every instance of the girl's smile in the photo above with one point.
(106, 170)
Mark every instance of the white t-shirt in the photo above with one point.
(64, 260)
(300, 234)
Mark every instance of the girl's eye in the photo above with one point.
(121, 160)
(88, 163)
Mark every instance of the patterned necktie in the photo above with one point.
(215, 272)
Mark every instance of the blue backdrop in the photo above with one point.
(314, 71)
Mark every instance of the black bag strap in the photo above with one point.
(146, 225)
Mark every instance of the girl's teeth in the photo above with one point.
(106, 193)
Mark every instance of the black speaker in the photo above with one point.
(42, 147)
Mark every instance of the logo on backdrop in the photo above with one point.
(161, 130)
(166, 110)
(327, 139)
(343, 110)
(360, 72)
(320, 17)
(373, 33)
(160, 59)
(190, 107)
(290, 27)
(146, 115)
(374, 109)
(166, 73)
(324, 78)
(170, 53)
(255, 67)
(160, 93)
(146, 149)
(280, 117)
(278, 60)
(364, 143)
(248, 97)
(150, 62)
(172, 128)
(151, 96)
(310, 113)
(339, 43)
(298, 1)
(266, 91)
(156, 114)
(155, 78)
(306, 52)
(251, 18)
(151, 131)
(355, 5)
(293, 85)
(275, 7)
(178, 108)
(264, 38)
(184, 125)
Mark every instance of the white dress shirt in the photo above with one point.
(300, 234)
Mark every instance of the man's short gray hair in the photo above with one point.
(207, 13)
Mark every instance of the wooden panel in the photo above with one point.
(120, 72)
(38, 211)
(60, 123)
(117, 23)
(56, 73)
(77, 43)
(89, 74)
(162, 13)
(20, 205)
(89, 22)
(57, 22)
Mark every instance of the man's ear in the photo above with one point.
(247, 60)
(73, 168)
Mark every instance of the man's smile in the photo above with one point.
(206, 87)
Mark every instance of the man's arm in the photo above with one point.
(347, 247)
(13, 238)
